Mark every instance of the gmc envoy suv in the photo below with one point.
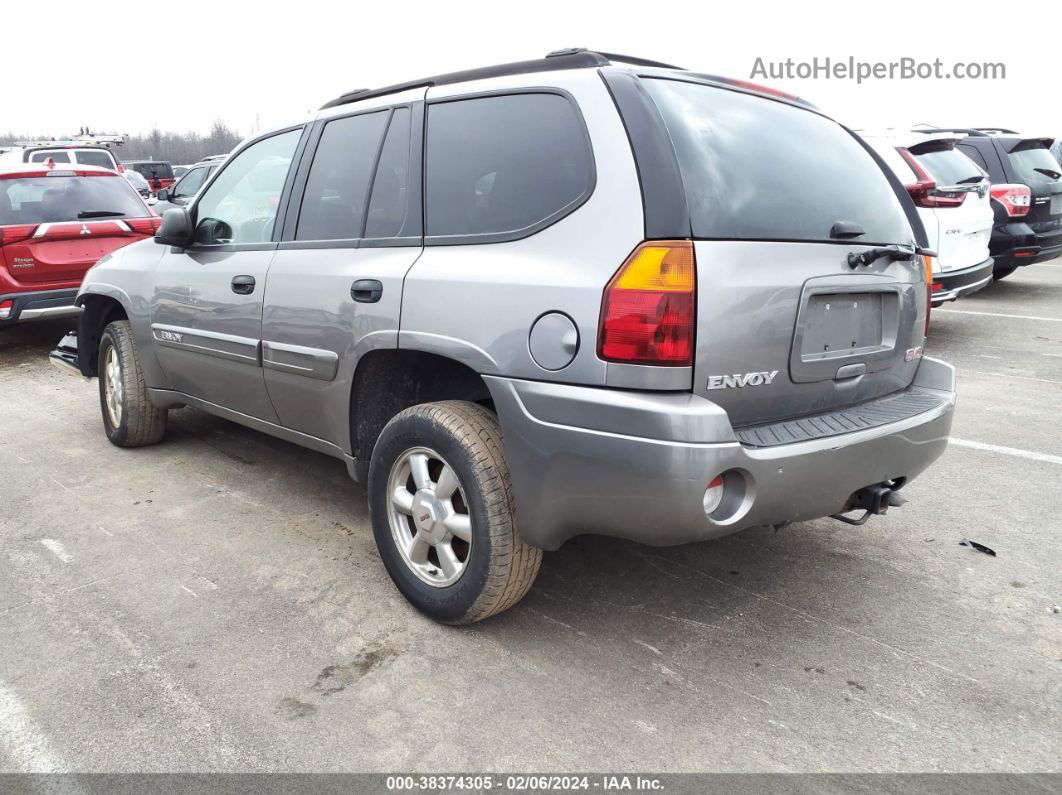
(581, 294)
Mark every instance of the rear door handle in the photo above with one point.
(243, 285)
(366, 291)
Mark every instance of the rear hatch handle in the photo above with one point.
(872, 255)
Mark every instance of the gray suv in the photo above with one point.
(581, 294)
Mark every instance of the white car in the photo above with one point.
(952, 194)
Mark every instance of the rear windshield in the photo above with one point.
(1027, 161)
(43, 200)
(950, 167)
(154, 170)
(95, 157)
(56, 157)
(758, 169)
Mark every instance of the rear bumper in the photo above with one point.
(39, 305)
(956, 284)
(1016, 244)
(635, 465)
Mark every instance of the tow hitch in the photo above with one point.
(876, 499)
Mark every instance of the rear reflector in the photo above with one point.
(12, 234)
(1016, 199)
(5, 309)
(648, 312)
(928, 263)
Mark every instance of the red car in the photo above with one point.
(55, 223)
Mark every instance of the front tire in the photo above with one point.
(442, 513)
(130, 419)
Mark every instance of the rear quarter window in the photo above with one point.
(757, 169)
(503, 167)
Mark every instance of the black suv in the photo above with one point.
(1026, 195)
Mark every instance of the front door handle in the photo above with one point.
(243, 285)
(366, 291)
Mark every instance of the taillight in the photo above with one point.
(5, 309)
(146, 226)
(648, 310)
(925, 192)
(928, 263)
(12, 234)
(1016, 199)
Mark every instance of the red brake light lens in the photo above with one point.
(1016, 199)
(648, 310)
(146, 226)
(12, 234)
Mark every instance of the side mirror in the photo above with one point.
(163, 195)
(176, 228)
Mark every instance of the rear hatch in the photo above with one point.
(55, 224)
(1036, 167)
(963, 206)
(786, 327)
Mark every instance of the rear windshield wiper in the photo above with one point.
(99, 214)
(872, 255)
(1049, 172)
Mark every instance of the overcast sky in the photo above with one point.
(182, 64)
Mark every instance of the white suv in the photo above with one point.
(951, 193)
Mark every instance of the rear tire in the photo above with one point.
(1003, 273)
(439, 466)
(130, 419)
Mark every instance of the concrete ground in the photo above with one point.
(216, 603)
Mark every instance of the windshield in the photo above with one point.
(950, 167)
(42, 200)
(757, 169)
(1026, 161)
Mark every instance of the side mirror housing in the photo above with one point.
(163, 195)
(176, 228)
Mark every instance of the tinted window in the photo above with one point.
(337, 188)
(240, 206)
(190, 182)
(974, 154)
(758, 169)
(503, 165)
(950, 167)
(42, 200)
(58, 157)
(95, 157)
(390, 187)
(1035, 166)
(153, 170)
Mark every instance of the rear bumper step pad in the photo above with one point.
(835, 423)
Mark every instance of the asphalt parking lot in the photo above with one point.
(216, 603)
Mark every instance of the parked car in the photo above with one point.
(1026, 193)
(62, 153)
(187, 186)
(54, 224)
(140, 185)
(158, 173)
(634, 301)
(952, 196)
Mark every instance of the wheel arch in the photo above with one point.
(387, 381)
(97, 310)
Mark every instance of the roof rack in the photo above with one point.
(1002, 130)
(89, 139)
(571, 58)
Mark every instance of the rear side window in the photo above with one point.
(95, 157)
(503, 167)
(950, 167)
(757, 169)
(337, 187)
(44, 200)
